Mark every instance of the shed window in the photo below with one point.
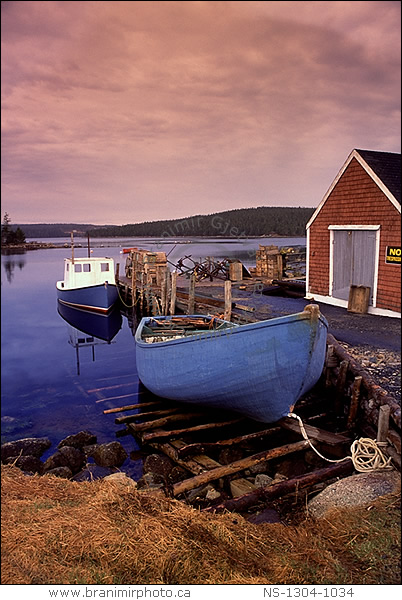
(104, 266)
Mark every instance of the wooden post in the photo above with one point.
(173, 293)
(168, 292)
(133, 283)
(354, 402)
(117, 273)
(228, 300)
(383, 423)
(163, 292)
(340, 387)
(191, 296)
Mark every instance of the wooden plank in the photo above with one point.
(202, 446)
(137, 427)
(314, 433)
(162, 433)
(204, 461)
(237, 466)
(354, 402)
(173, 293)
(128, 407)
(131, 418)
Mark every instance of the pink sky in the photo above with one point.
(122, 112)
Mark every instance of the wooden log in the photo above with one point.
(162, 433)
(235, 467)
(228, 300)
(379, 395)
(330, 362)
(137, 427)
(170, 451)
(236, 441)
(129, 407)
(163, 292)
(131, 418)
(173, 293)
(354, 402)
(314, 433)
(204, 461)
(191, 295)
(269, 493)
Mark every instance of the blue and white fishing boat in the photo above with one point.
(89, 283)
(259, 370)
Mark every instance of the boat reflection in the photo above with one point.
(89, 329)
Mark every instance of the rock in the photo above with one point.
(30, 464)
(92, 471)
(25, 447)
(158, 464)
(78, 440)
(262, 480)
(355, 490)
(64, 472)
(150, 481)
(198, 493)
(67, 456)
(121, 479)
(109, 455)
(261, 467)
(212, 495)
(269, 515)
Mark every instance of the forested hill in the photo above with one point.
(244, 222)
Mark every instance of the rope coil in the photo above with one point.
(366, 454)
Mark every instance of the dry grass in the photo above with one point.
(55, 531)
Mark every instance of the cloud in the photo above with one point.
(128, 111)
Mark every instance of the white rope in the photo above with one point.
(365, 452)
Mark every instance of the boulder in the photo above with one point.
(158, 464)
(109, 455)
(67, 456)
(25, 447)
(262, 480)
(121, 479)
(29, 464)
(78, 440)
(64, 472)
(355, 490)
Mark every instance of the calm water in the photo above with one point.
(48, 386)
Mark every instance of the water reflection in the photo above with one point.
(88, 329)
(10, 264)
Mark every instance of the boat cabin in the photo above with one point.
(84, 272)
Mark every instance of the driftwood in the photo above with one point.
(131, 418)
(162, 433)
(235, 467)
(129, 407)
(378, 394)
(202, 446)
(137, 427)
(266, 494)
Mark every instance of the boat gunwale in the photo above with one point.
(212, 334)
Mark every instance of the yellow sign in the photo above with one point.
(393, 255)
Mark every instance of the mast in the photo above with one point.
(72, 246)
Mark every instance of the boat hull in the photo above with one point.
(259, 370)
(97, 298)
(101, 326)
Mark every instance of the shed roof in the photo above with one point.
(383, 167)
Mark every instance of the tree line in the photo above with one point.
(10, 236)
(243, 222)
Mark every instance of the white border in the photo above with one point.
(381, 312)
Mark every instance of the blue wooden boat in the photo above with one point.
(259, 370)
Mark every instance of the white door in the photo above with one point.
(353, 261)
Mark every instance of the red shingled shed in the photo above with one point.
(354, 236)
